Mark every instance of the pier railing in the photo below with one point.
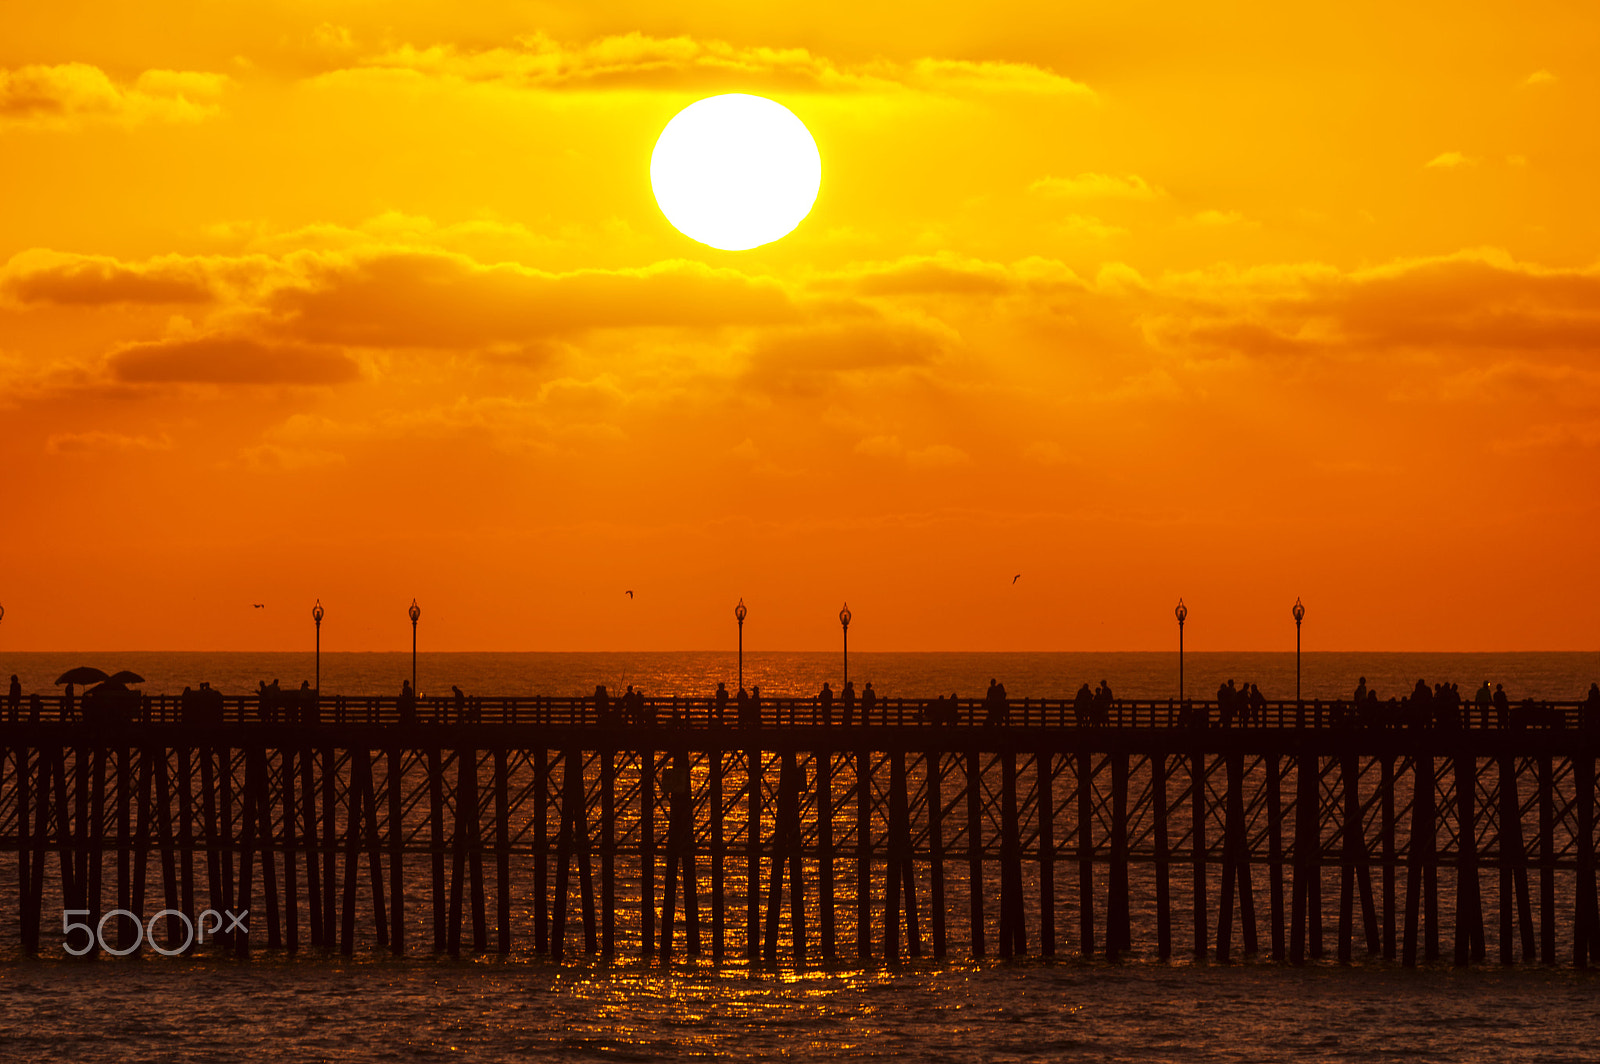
(305, 708)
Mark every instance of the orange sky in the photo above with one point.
(370, 301)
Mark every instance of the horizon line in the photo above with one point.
(833, 650)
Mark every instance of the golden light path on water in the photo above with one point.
(491, 1010)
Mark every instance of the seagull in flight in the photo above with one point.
(1014, 579)
(260, 605)
(630, 594)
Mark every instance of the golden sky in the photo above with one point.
(369, 301)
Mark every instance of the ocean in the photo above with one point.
(524, 1007)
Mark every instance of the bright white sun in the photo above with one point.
(735, 171)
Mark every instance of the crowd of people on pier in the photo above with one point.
(1440, 705)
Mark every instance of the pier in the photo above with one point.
(500, 825)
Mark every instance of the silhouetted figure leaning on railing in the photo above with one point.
(996, 709)
(1589, 714)
(721, 703)
(825, 703)
(406, 705)
(200, 707)
(869, 701)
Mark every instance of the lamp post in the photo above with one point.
(316, 615)
(1299, 612)
(1182, 613)
(415, 612)
(844, 623)
(739, 611)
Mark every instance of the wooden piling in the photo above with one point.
(436, 846)
(719, 853)
(1163, 854)
(1547, 861)
(1044, 776)
(1585, 941)
(541, 848)
(1386, 830)
(1197, 802)
(608, 853)
(394, 784)
(1119, 929)
(936, 901)
(502, 852)
(824, 805)
(752, 941)
(1085, 853)
(974, 854)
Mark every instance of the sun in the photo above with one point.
(735, 171)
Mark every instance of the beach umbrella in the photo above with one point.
(127, 677)
(83, 674)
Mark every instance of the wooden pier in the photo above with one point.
(348, 830)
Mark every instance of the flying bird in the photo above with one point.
(630, 594)
(260, 605)
(1014, 579)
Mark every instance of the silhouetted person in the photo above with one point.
(825, 703)
(1102, 703)
(1361, 692)
(1258, 706)
(629, 713)
(722, 701)
(1484, 698)
(68, 703)
(998, 710)
(1591, 708)
(406, 704)
(14, 699)
(869, 701)
(602, 705)
(755, 705)
(459, 697)
(1447, 706)
(1083, 706)
(742, 709)
(1502, 706)
(848, 697)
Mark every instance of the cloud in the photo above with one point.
(74, 94)
(1474, 301)
(1539, 77)
(41, 276)
(1214, 219)
(276, 458)
(938, 456)
(1448, 161)
(636, 60)
(950, 274)
(403, 298)
(90, 442)
(230, 360)
(934, 456)
(805, 359)
(1046, 453)
(1097, 186)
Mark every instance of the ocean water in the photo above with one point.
(524, 1007)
